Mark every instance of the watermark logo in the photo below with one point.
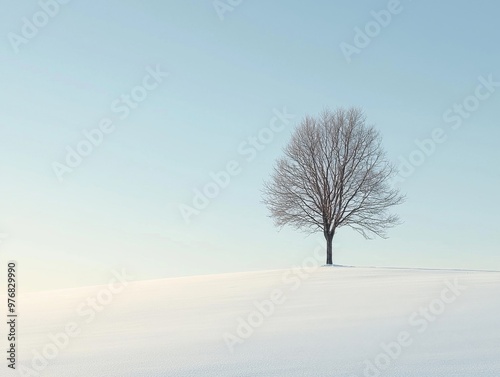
(122, 107)
(248, 151)
(223, 6)
(364, 36)
(292, 280)
(87, 311)
(31, 26)
(419, 321)
(454, 117)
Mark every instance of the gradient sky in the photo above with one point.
(120, 207)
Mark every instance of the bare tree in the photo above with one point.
(334, 173)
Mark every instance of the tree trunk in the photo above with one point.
(329, 241)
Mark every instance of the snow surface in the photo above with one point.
(329, 321)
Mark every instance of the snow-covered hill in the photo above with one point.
(327, 321)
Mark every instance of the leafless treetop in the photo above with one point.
(334, 173)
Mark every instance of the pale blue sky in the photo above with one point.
(119, 208)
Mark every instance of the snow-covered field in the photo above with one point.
(328, 321)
